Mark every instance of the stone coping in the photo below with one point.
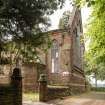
(58, 87)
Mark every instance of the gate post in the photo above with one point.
(16, 82)
(43, 88)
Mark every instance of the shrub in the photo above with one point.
(100, 89)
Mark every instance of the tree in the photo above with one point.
(96, 31)
(80, 3)
(93, 69)
(63, 22)
(23, 21)
(90, 66)
(96, 35)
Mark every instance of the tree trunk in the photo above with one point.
(1, 69)
(95, 74)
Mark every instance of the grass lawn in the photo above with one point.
(31, 96)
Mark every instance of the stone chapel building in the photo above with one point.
(63, 63)
(64, 60)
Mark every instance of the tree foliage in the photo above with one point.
(80, 3)
(23, 21)
(96, 35)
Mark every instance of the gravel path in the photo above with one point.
(92, 98)
(34, 103)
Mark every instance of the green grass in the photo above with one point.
(31, 96)
(98, 89)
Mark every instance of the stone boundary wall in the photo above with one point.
(49, 92)
(6, 95)
(77, 81)
(30, 74)
(11, 93)
(77, 89)
(54, 92)
(58, 79)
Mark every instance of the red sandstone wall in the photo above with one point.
(77, 45)
(30, 80)
(29, 73)
(64, 40)
(71, 55)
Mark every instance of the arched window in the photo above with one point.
(55, 57)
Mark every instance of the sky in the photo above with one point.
(58, 14)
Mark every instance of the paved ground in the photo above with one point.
(93, 98)
(34, 103)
